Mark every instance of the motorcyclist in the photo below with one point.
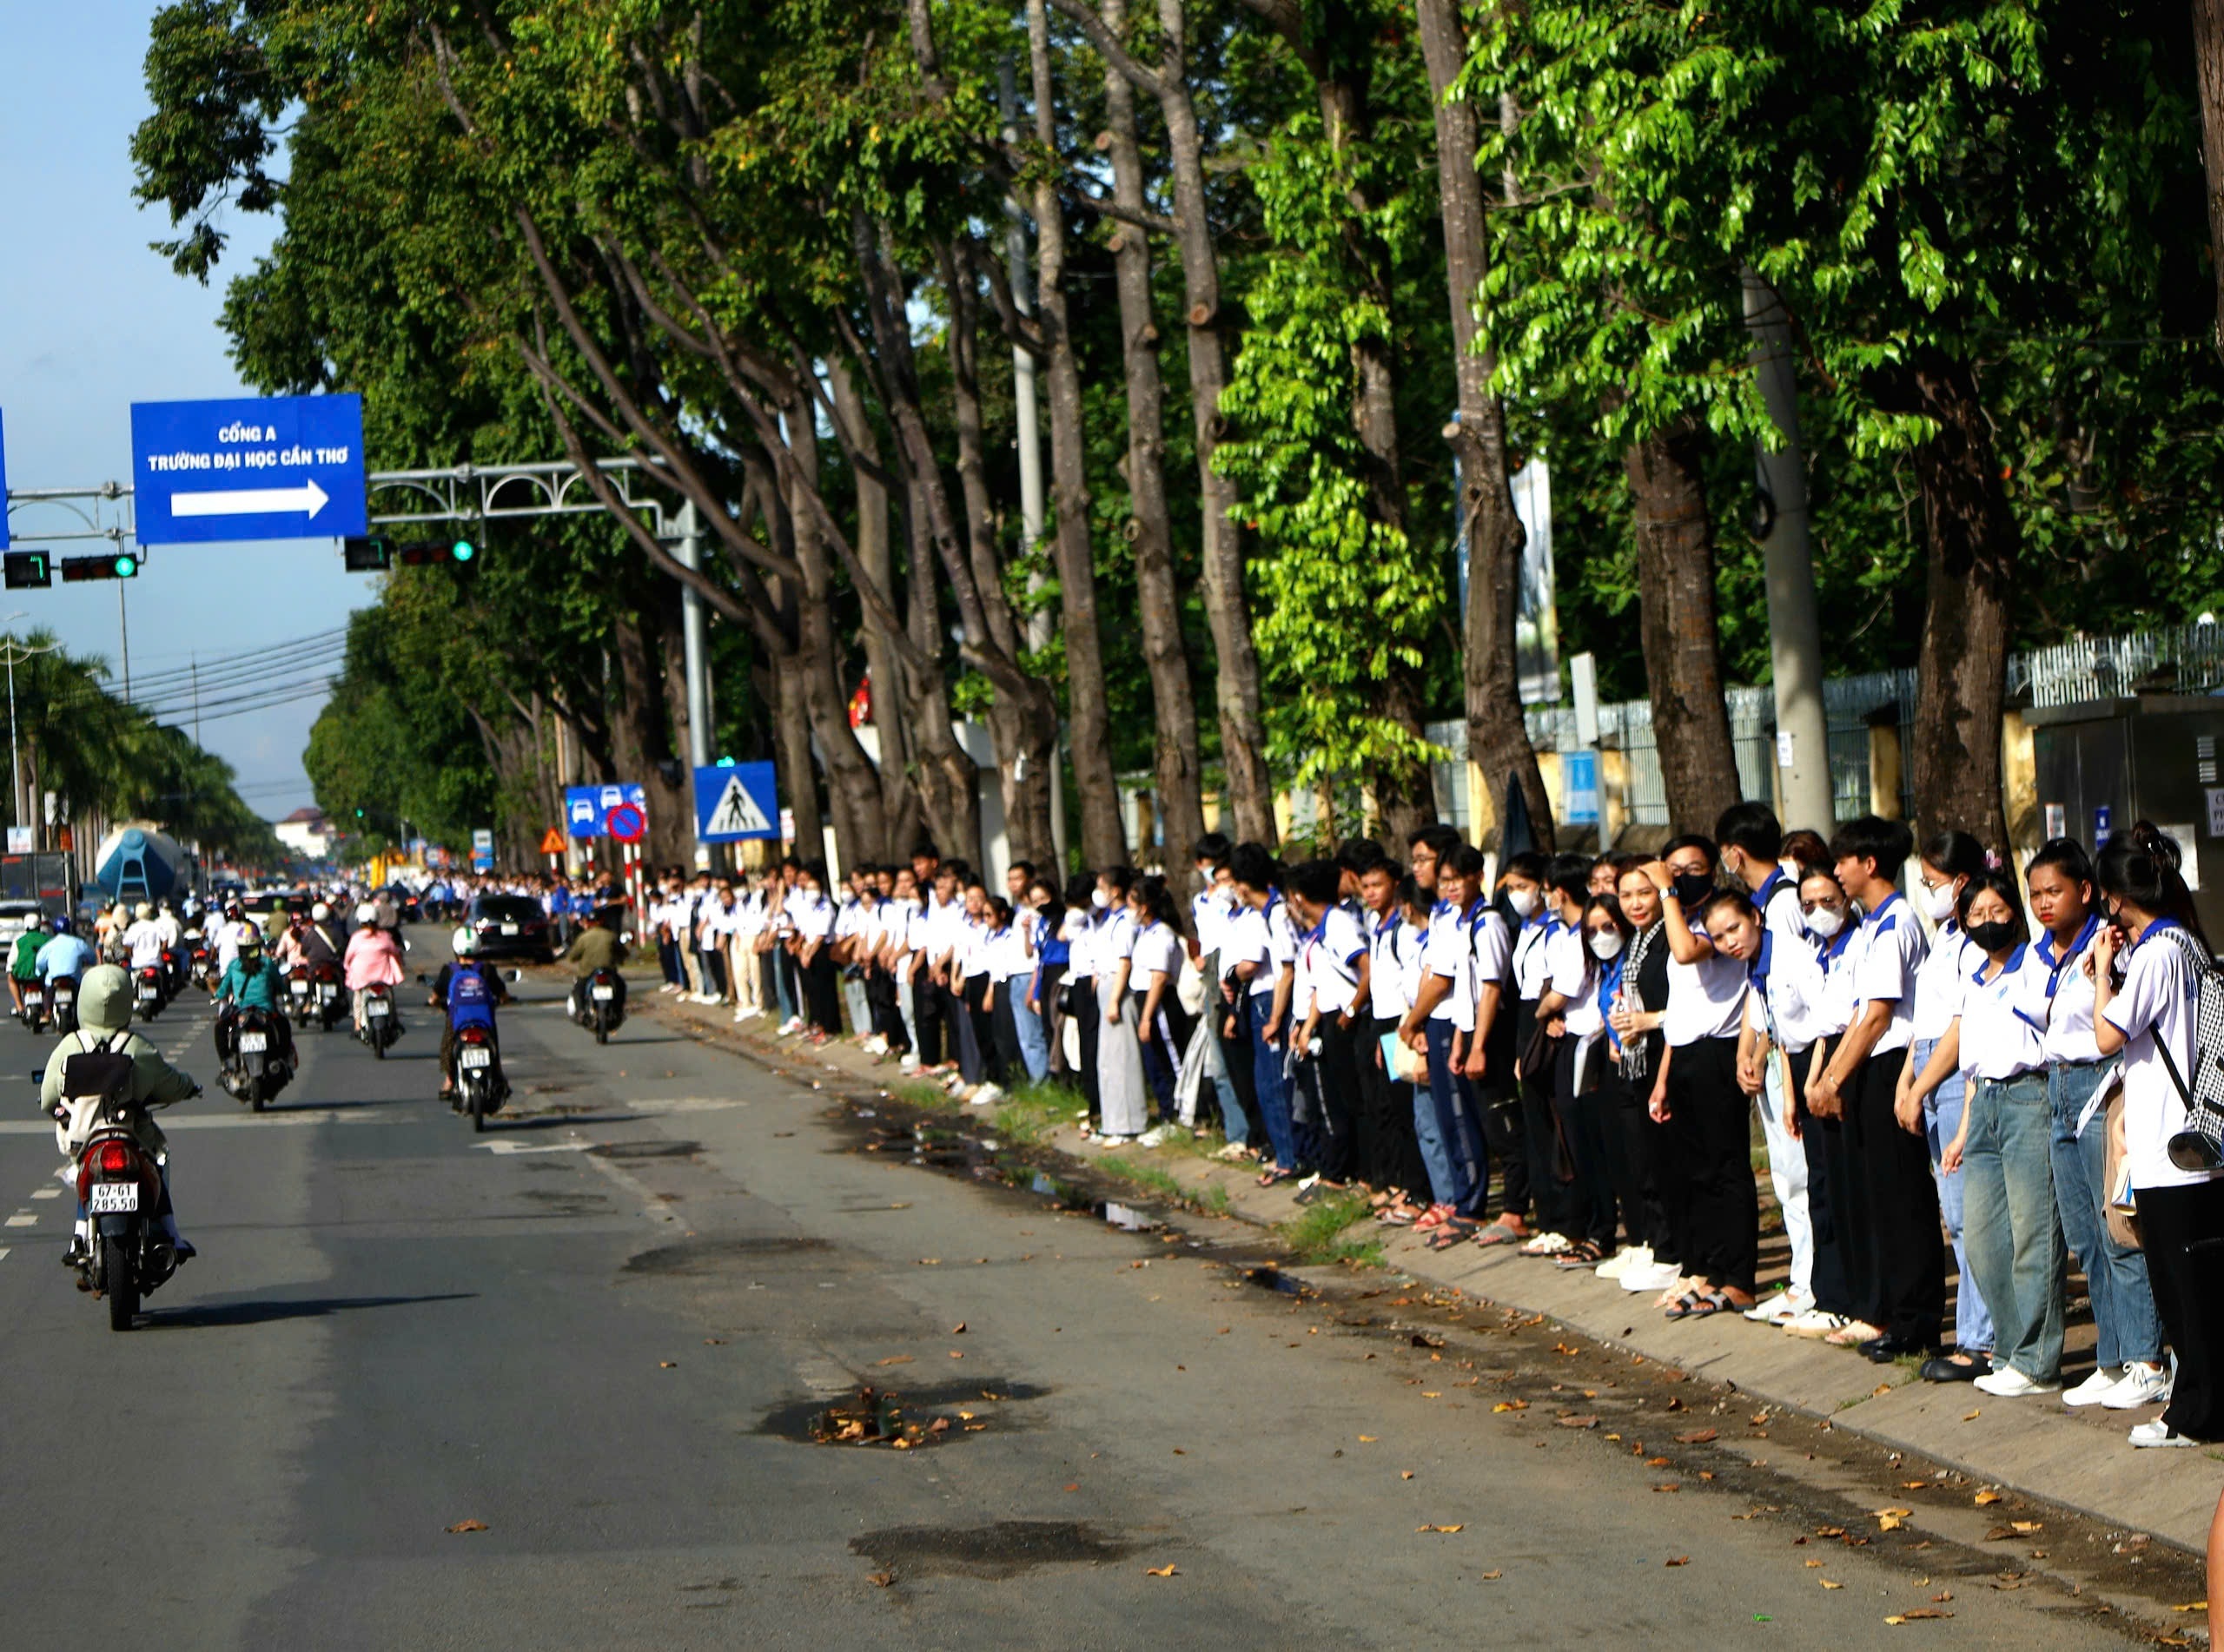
(235, 928)
(322, 940)
(103, 1023)
(22, 957)
(597, 946)
(142, 942)
(373, 960)
(252, 981)
(178, 958)
(66, 955)
(469, 991)
(276, 924)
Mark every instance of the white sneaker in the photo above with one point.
(908, 1064)
(1816, 1322)
(1154, 1137)
(1630, 1256)
(2091, 1390)
(2158, 1433)
(1653, 1276)
(875, 1046)
(2008, 1383)
(2142, 1385)
(1775, 1310)
(1547, 1244)
(987, 1093)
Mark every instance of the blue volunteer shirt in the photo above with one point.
(471, 1002)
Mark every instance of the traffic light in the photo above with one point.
(123, 565)
(462, 551)
(366, 556)
(28, 570)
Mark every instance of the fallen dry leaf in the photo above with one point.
(1492, 1577)
(894, 1359)
(1943, 1595)
(1984, 1499)
(1366, 1439)
(1913, 1485)
(1697, 1437)
(1920, 1611)
(955, 1354)
(1973, 1416)
(714, 1341)
(1677, 1560)
(2027, 1525)
(1671, 1486)
(1405, 1474)
(1161, 1572)
(2192, 1606)
(1826, 1584)
(667, 1364)
(469, 1525)
(1889, 1522)
(1074, 1486)
(1577, 1422)
(1510, 1405)
(880, 1580)
(1432, 1396)
(957, 1330)
(1461, 1527)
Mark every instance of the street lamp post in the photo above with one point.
(17, 651)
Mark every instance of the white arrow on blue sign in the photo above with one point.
(737, 802)
(278, 467)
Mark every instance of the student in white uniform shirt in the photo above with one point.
(2012, 1236)
(1332, 959)
(1696, 1093)
(1932, 1089)
(1390, 1152)
(1154, 982)
(1263, 947)
(2128, 1331)
(1228, 1062)
(1897, 1254)
(1120, 1083)
(2155, 940)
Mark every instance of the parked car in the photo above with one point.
(511, 926)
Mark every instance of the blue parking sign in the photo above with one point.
(586, 809)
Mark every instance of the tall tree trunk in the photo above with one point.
(1962, 666)
(1103, 836)
(1498, 736)
(948, 780)
(671, 836)
(1683, 664)
(2208, 65)
(1177, 768)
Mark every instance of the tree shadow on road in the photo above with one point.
(263, 1310)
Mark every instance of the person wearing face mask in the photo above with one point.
(1535, 1197)
(1442, 1114)
(1567, 975)
(2128, 1369)
(1589, 1054)
(2012, 1236)
(1639, 1156)
(1891, 1219)
(1932, 1091)
(1696, 1093)
(2153, 945)
(1828, 916)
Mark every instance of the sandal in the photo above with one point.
(1498, 1232)
(1582, 1255)
(1685, 1307)
(1275, 1175)
(1434, 1217)
(1399, 1215)
(1712, 1302)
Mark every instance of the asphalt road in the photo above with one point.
(601, 1329)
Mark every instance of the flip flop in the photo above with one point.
(1687, 1307)
(1498, 1233)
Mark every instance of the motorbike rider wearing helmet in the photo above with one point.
(234, 929)
(22, 957)
(469, 991)
(252, 981)
(373, 960)
(103, 1023)
(597, 946)
(66, 955)
(142, 942)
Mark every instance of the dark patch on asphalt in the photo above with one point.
(550, 1201)
(805, 1420)
(1004, 1549)
(714, 1256)
(647, 1150)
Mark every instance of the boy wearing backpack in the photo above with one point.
(103, 1031)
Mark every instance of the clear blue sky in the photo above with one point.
(94, 320)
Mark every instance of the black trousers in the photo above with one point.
(1389, 1152)
(1081, 1004)
(1162, 1051)
(887, 1013)
(1049, 993)
(1841, 1264)
(1668, 1147)
(1725, 1209)
(1628, 1135)
(926, 1014)
(1580, 1103)
(1236, 1053)
(1896, 1204)
(1338, 1148)
(1009, 1064)
(978, 1039)
(2182, 1230)
(1552, 1208)
(821, 992)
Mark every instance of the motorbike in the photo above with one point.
(33, 1014)
(479, 1087)
(255, 1073)
(120, 1186)
(151, 990)
(301, 994)
(380, 1028)
(331, 996)
(599, 1010)
(62, 1003)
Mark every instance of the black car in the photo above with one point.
(510, 926)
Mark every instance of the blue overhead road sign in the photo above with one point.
(586, 809)
(280, 467)
(3, 485)
(737, 802)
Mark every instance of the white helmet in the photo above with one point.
(36, 920)
(366, 913)
(320, 912)
(465, 943)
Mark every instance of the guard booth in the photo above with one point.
(2102, 765)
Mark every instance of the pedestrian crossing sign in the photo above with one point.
(733, 802)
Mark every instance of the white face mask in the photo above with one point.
(1607, 943)
(1524, 902)
(1824, 922)
(1099, 899)
(1941, 903)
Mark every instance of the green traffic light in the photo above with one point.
(126, 567)
(463, 551)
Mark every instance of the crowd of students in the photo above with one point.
(1565, 1055)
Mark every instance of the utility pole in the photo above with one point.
(123, 623)
(16, 653)
(697, 656)
(1788, 554)
(1030, 431)
(196, 699)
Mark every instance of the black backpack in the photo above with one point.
(104, 1074)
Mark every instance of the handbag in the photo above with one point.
(2121, 1205)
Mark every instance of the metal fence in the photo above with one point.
(2188, 659)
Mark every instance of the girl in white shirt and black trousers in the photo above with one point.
(2146, 964)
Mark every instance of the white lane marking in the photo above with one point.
(46, 1192)
(3, 1252)
(242, 1120)
(651, 1206)
(514, 1146)
(23, 1220)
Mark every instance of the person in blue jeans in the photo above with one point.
(2126, 1324)
(1264, 944)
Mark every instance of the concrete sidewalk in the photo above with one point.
(2078, 1458)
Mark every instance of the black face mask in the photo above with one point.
(1692, 888)
(1993, 937)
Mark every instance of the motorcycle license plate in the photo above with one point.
(605, 992)
(301, 989)
(379, 1007)
(509, 928)
(476, 1058)
(254, 1043)
(108, 1197)
(146, 990)
(63, 1001)
(327, 994)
